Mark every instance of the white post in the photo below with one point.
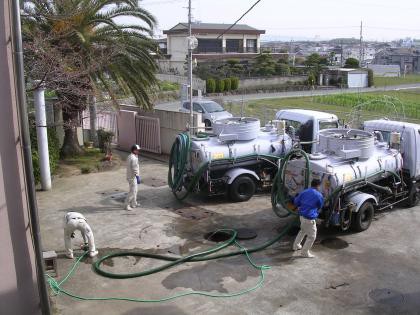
(42, 138)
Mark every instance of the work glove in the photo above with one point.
(138, 179)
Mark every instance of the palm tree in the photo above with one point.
(81, 47)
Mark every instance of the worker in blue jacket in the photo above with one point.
(309, 203)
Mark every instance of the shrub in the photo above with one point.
(85, 169)
(370, 78)
(210, 85)
(228, 84)
(104, 140)
(234, 83)
(53, 149)
(311, 79)
(220, 86)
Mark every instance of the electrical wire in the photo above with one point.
(236, 22)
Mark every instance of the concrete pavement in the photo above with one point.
(374, 272)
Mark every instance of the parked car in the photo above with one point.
(210, 111)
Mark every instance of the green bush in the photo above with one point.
(53, 149)
(370, 78)
(311, 79)
(85, 170)
(228, 84)
(210, 86)
(104, 140)
(220, 86)
(234, 83)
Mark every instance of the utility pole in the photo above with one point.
(361, 53)
(190, 51)
(342, 52)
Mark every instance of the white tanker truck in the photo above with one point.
(360, 171)
(240, 157)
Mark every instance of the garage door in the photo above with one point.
(357, 80)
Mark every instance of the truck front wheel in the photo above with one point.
(242, 189)
(363, 218)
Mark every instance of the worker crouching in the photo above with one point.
(309, 203)
(76, 221)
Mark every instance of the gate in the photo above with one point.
(148, 134)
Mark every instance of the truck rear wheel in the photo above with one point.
(242, 189)
(413, 197)
(363, 218)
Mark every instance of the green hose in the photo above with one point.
(279, 196)
(209, 254)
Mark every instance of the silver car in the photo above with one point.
(210, 111)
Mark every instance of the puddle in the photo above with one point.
(334, 243)
(388, 297)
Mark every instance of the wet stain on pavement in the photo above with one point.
(334, 243)
(387, 297)
(154, 182)
(209, 277)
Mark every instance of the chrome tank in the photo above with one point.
(268, 141)
(343, 160)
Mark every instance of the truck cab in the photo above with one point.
(304, 125)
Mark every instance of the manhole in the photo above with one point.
(387, 296)
(218, 236)
(246, 234)
(334, 243)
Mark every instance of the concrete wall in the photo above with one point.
(270, 81)
(18, 282)
(171, 124)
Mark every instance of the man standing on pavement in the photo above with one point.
(309, 203)
(133, 177)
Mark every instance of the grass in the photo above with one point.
(89, 162)
(385, 81)
(168, 86)
(377, 105)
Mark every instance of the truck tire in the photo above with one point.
(363, 218)
(413, 197)
(242, 189)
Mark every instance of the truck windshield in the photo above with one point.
(212, 107)
(327, 125)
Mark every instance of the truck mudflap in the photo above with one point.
(233, 173)
(358, 198)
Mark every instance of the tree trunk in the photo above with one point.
(71, 145)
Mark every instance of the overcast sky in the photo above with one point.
(309, 19)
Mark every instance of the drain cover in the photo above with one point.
(387, 296)
(334, 243)
(246, 234)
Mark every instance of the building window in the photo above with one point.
(234, 45)
(251, 45)
(209, 46)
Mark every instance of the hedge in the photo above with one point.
(220, 86)
(228, 84)
(234, 82)
(210, 86)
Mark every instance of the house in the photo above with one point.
(408, 59)
(352, 78)
(240, 42)
(385, 70)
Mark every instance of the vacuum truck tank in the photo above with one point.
(358, 174)
(238, 158)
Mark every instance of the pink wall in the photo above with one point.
(18, 284)
(126, 129)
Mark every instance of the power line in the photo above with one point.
(236, 22)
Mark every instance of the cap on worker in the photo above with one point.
(135, 147)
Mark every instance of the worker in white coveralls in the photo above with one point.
(133, 177)
(76, 221)
(309, 203)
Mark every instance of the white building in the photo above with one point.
(240, 42)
